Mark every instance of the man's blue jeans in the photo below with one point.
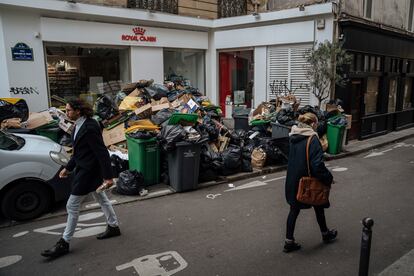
(73, 207)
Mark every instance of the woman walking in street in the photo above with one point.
(297, 168)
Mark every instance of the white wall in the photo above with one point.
(147, 63)
(212, 70)
(4, 74)
(260, 75)
(297, 32)
(21, 27)
(76, 31)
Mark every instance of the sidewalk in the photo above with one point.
(353, 148)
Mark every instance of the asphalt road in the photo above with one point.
(224, 230)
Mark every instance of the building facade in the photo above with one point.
(379, 36)
(53, 49)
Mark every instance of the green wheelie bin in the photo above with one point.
(144, 156)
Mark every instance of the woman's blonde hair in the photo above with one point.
(308, 118)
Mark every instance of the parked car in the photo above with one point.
(29, 175)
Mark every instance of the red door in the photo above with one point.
(225, 87)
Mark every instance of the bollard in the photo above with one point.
(365, 246)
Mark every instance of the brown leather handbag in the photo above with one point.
(311, 191)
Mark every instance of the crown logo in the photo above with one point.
(138, 31)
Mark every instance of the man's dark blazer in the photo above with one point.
(90, 159)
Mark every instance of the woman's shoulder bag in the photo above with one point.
(311, 191)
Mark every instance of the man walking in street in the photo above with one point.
(92, 174)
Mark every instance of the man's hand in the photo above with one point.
(63, 173)
(107, 183)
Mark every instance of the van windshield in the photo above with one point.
(9, 141)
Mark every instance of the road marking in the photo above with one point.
(379, 153)
(9, 260)
(212, 196)
(90, 216)
(82, 229)
(20, 234)
(274, 179)
(248, 186)
(90, 231)
(339, 169)
(162, 264)
(96, 204)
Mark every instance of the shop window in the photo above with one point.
(392, 95)
(371, 96)
(408, 92)
(85, 72)
(185, 66)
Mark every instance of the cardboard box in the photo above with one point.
(158, 107)
(143, 108)
(38, 119)
(163, 100)
(114, 135)
(349, 121)
(66, 126)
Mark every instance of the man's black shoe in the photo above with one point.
(291, 246)
(61, 248)
(330, 236)
(109, 233)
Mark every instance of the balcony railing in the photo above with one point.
(230, 8)
(168, 6)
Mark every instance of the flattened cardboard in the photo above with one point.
(158, 107)
(38, 119)
(143, 109)
(114, 135)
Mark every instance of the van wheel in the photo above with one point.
(25, 200)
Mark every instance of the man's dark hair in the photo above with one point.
(84, 108)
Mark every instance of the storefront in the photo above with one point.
(379, 94)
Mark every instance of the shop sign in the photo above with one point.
(138, 35)
(21, 51)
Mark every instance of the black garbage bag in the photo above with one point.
(312, 109)
(161, 116)
(246, 165)
(118, 164)
(232, 160)
(169, 135)
(157, 91)
(238, 137)
(273, 154)
(210, 164)
(130, 182)
(286, 117)
(210, 128)
(142, 134)
(106, 108)
(13, 108)
(322, 128)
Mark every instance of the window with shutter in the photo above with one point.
(286, 69)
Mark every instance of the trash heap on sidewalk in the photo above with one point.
(170, 133)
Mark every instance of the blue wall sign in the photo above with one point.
(21, 51)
